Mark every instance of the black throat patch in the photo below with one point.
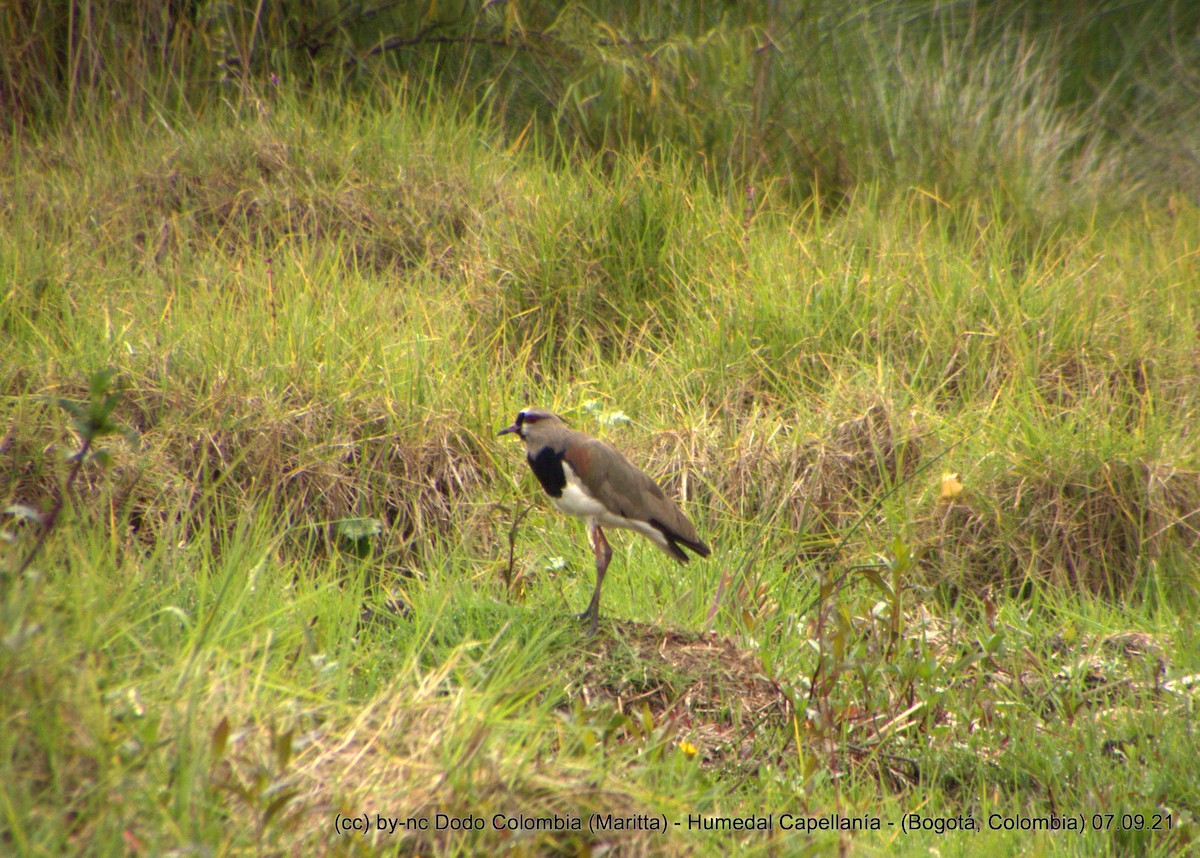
(547, 467)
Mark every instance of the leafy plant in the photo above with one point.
(356, 534)
(265, 788)
(91, 421)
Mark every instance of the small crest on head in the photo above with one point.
(529, 417)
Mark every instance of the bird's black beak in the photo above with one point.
(513, 428)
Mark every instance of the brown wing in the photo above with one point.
(630, 492)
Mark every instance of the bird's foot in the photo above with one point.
(593, 620)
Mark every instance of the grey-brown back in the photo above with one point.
(628, 491)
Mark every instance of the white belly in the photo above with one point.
(577, 502)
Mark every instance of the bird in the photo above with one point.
(589, 479)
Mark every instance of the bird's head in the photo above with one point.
(533, 423)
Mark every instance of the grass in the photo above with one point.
(290, 603)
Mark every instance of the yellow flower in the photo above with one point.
(688, 748)
(950, 488)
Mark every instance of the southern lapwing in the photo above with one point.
(589, 479)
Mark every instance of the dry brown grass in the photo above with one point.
(259, 193)
(315, 463)
(435, 481)
(1089, 530)
(814, 487)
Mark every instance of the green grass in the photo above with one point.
(322, 307)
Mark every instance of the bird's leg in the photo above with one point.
(603, 552)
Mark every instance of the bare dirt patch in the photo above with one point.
(707, 687)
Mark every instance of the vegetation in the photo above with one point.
(903, 303)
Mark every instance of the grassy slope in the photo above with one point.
(325, 310)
